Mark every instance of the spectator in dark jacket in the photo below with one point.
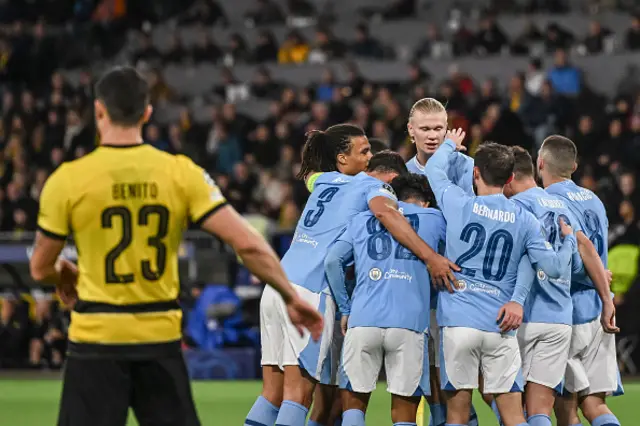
(632, 39)
(366, 46)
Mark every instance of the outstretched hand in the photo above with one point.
(457, 136)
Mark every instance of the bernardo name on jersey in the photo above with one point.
(126, 208)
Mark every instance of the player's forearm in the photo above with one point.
(397, 225)
(264, 264)
(554, 264)
(45, 274)
(437, 167)
(526, 276)
(334, 267)
(594, 267)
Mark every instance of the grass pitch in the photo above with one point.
(34, 403)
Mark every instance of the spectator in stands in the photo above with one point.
(428, 46)
(326, 47)
(265, 12)
(490, 39)
(14, 330)
(263, 86)
(586, 140)
(324, 90)
(521, 44)
(159, 89)
(632, 39)
(205, 49)
(535, 77)
(463, 41)
(147, 52)
(565, 78)
(294, 49)
(366, 46)
(205, 12)
(266, 49)
(175, 52)
(594, 43)
(237, 51)
(557, 38)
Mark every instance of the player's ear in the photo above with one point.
(147, 114)
(410, 131)
(100, 110)
(342, 159)
(575, 166)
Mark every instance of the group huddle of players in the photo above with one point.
(514, 296)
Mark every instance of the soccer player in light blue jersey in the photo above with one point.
(592, 371)
(486, 235)
(427, 127)
(545, 334)
(387, 317)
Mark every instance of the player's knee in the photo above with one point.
(594, 406)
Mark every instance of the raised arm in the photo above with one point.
(335, 263)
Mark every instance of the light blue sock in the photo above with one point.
(494, 407)
(473, 417)
(313, 423)
(404, 424)
(263, 413)
(353, 418)
(438, 414)
(523, 424)
(292, 414)
(539, 420)
(606, 420)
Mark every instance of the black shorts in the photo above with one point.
(99, 392)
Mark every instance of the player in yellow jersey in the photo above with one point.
(126, 205)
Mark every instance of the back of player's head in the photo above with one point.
(413, 186)
(377, 145)
(523, 167)
(559, 155)
(322, 148)
(495, 163)
(124, 92)
(427, 106)
(387, 162)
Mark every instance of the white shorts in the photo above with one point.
(434, 341)
(544, 349)
(466, 352)
(330, 370)
(282, 344)
(593, 364)
(406, 360)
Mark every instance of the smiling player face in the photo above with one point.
(428, 130)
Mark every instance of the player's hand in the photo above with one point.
(66, 287)
(344, 324)
(303, 315)
(608, 318)
(457, 136)
(440, 269)
(609, 277)
(510, 316)
(565, 229)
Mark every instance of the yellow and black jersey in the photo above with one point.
(127, 208)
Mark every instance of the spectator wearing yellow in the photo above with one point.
(294, 50)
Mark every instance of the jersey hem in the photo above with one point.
(51, 234)
(208, 213)
(124, 351)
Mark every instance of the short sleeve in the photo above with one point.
(380, 189)
(54, 213)
(203, 195)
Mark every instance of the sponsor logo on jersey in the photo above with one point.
(305, 239)
(375, 274)
(541, 275)
(340, 180)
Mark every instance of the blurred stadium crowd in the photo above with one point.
(236, 85)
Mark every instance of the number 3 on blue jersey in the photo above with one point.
(313, 216)
(478, 233)
(380, 243)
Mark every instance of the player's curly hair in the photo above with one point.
(321, 148)
(413, 185)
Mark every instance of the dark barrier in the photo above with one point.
(223, 364)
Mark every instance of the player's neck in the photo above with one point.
(524, 185)
(489, 190)
(550, 180)
(422, 158)
(121, 136)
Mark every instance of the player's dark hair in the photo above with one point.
(495, 163)
(523, 167)
(413, 185)
(125, 94)
(559, 155)
(377, 145)
(387, 161)
(321, 148)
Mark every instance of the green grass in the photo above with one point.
(34, 403)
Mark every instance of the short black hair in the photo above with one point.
(495, 163)
(523, 167)
(125, 94)
(413, 185)
(377, 145)
(387, 161)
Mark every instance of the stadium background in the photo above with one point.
(236, 84)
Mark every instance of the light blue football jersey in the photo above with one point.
(592, 219)
(392, 285)
(323, 219)
(550, 298)
(459, 170)
(486, 237)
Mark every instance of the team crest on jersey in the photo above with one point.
(387, 189)
(375, 274)
(548, 245)
(460, 285)
(541, 275)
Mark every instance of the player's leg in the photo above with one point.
(459, 364)
(324, 399)
(501, 370)
(95, 392)
(272, 337)
(304, 360)
(362, 356)
(566, 410)
(436, 401)
(162, 393)
(403, 410)
(595, 410)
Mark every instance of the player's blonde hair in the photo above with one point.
(427, 106)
